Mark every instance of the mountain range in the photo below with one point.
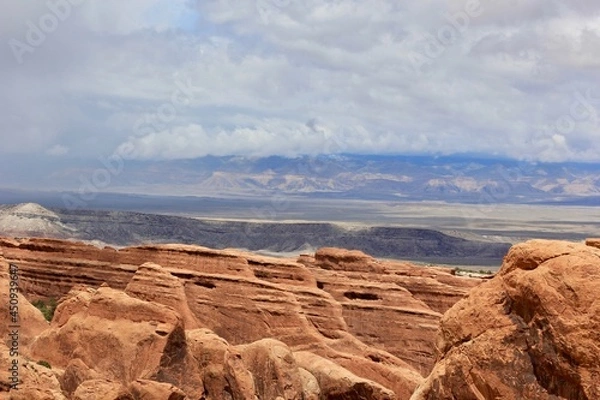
(465, 179)
(367, 177)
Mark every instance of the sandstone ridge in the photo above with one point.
(191, 322)
(186, 322)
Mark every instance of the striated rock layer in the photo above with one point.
(338, 324)
(532, 332)
(185, 322)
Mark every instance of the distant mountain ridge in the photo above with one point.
(460, 179)
(413, 178)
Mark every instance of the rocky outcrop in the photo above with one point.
(154, 284)
(117, 336)
(187, 322)
(393, 306)
(335, 382)
(593, 242)
(216, 322)
(34, 381)
(532, 332)
(105, 344)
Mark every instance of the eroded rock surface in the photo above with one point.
(393, 306)
(219, 323)
(532, 332)
(594, 242)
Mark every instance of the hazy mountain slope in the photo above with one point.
(29, 219)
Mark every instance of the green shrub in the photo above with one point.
(47, 308)
(44, 363)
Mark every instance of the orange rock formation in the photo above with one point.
(190, 321)
(532, 332)
(185, 322)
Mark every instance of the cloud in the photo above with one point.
(287, 77)
(267, 137)
(123, 18)
(57, 150)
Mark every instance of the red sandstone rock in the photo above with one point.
(120, 337)
(347, 260)
(153, 283)
(275, 370)
(150, 390)
(532, 332)
(594, 242)
(74, 375)
(219, 366)
(375, 319)
(337, 383)
(396, 309)
(36, 382)
(101, 389)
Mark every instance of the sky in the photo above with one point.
(179, 79)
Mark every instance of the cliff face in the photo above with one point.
(187, 320)
(532, 332)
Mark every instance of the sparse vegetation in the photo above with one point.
(46, 307)
(44, 363)
(466, 271)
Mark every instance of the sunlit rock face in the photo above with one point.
(180, 320)
(532, 332)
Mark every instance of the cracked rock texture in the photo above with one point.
(532, 332)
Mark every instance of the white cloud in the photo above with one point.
(267, 137)
(57, 150)
(256, 71)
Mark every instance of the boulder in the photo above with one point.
(34, 381)
(594, 242)
(336, 382)
(532, 332)
(101, 389)
(150, 390)
(153, 283)
(276, 373)
(120, 337)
